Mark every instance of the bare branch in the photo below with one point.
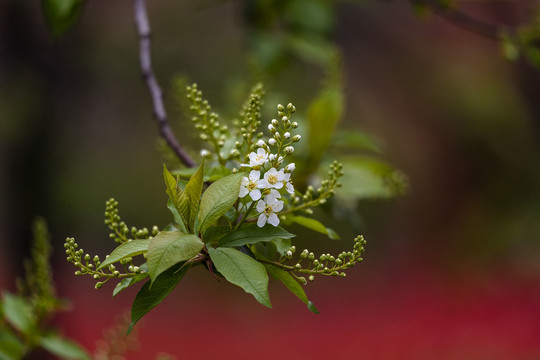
(144, 31)
(464, 21)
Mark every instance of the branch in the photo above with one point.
(464, 21)
(143, 29)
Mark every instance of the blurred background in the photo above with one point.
(452, 264)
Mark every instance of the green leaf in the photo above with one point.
(193, 190)
(127, 282)
(369, 178)
(217, 172)
(177, 218)
(128, 249)
(243, 271)
(251, 234)
(315, 225)
(10, 346)
(168, 248)
(323, 115)
(63, 348)
(218, 199)
(214, 233)
(288, 280)
(178, 197)
(150, 296)
(18, 313)
(62, 14)
(282, 245)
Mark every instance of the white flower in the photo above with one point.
(274, 193)
(257, 159)
(288, 183)
(271, 157)
(250, 185)
(289, 150)
(271, 128)
(290, 167)
(272, 141)
(268, 209)
(287, 135)
(261, 143)
(273, 179)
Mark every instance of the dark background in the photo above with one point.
(451, 269)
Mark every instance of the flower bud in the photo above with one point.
(287, 135)
(271, 128)
(296, 138)
(290, 167)
(275, 122)
(261, 143)
(272, 141)
(289, 150)
(280, 107)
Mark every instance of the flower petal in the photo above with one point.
(277, 206)
(254, 175)
(273, 219)
(262, 220)
(255, 194)
(243, 191)
(261, 205)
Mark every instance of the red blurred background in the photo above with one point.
(451, 269)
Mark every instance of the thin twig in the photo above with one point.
(464, 21)
(143, 29)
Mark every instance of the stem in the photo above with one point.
(244, 217)
(145, 57)
(466, 22)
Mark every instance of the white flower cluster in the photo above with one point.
(266, 190)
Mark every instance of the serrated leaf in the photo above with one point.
(18, 313)
(128, 249)
(315, 225)
(288, 280)
(178, 197)
(127, 282)
(10, 346)
(149, 297)
(62, 14)
(193, 190)
(177, 218)
(63, 348)
(243, 271)
(170, 183)
(251, 234)
(168, 248)
(218, 199)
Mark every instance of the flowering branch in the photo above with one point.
(143, 29)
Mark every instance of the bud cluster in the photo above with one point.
(207, 122)
(88, 264)
(325, 264)
(120, 232)
(249, 122)
(326, 190)
(280, 134)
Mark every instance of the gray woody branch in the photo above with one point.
(143, 29)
